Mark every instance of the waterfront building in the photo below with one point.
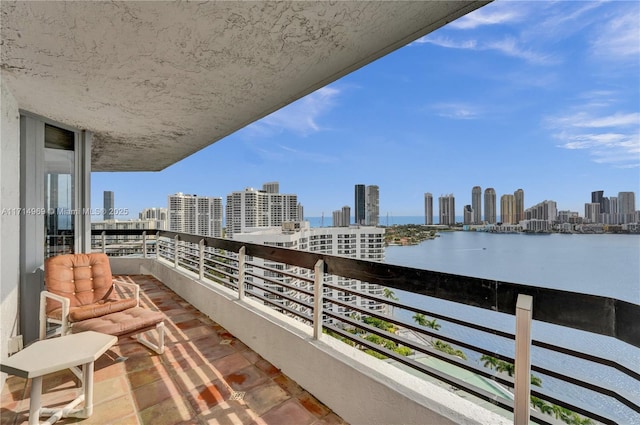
(363, 242)
(360, 203)
(428, 208)
(447, 210)
(614, 213)
(508, 209)
(592, 212)
(476, 205)
(490, 214)
(372, 205)
(108, 205)
(158, 215)
(548, 211)
(253, 208)
(468, 215)
(198, 215)
(519, 205)
(627, 207)
(342, 218)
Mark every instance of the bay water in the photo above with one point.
(606, 265)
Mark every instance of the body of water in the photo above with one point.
(606, 265)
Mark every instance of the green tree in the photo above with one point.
(489, 361)
(420, 319)
(390, 295)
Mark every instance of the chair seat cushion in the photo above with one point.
(120, 323)
(90, 311)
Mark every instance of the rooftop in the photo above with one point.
(205, 376)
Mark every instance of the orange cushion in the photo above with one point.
(120, 323)
(100, 308)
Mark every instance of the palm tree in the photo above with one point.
(506, 367)
(536, 381)
(390, 295)
(420, 319)
(489, 361)
(432, 324)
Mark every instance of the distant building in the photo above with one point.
(108, 204)
(120, 245)
(372, 205)
(271, 187)
(519, 206)
(159, 215)
(572, 217)
(253, 208)
(447, 210)
(467, 214)
(592, 212)
(428, 208)
(627, 207)
(361, 242)
(197, 215)
(546, 211)
(490, 212)
(360, 204)
(508, 209)
(476, 205)
(342, 218)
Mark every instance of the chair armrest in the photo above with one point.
(43, 312)
(134, 286)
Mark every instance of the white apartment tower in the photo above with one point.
(447, 209)
(158, 215)
(253, 208)
(198, 215)
(342, 218)
(476, 205)
(361, 242)
(428, 208)
(626, 207)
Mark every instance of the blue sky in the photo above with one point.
(543, 96)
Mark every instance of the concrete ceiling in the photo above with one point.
(158, 81)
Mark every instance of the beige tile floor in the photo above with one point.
(205, 376)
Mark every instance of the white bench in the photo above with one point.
(55, 354)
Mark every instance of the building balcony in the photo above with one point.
(206, 271)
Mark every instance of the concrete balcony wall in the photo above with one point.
(358, 387)
(9, 222)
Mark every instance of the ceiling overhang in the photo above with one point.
(157, 81)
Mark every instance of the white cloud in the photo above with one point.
(300, 117)
(620, 37)
(618, 144)
(448, 42)
(458, 111)
(485, 16)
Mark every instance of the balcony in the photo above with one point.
(204, 269)
(205, 376)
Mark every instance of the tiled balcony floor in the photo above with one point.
(195, 381)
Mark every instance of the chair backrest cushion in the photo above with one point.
(83, 278)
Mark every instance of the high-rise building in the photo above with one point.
(360, 204)
(372, 205)
(508, 209)
(158, 215)
(476, 204)
(626, 207)
(354, 242)
(467, 214)
(271, 187)
(614, 210)
(592, 212)
(547, 211)
(447, 210)
(519, 206)
(490, 212)
(342, 218)
(257, 208)
(108, 205)
(597, 197)
(198, 215)
(428, 208)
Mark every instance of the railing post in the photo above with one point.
(241, 260)
(144, 244)
(201, 259)
(157, 246)
(317, 298)
(104, 242)
(176, 239)
(522, 384)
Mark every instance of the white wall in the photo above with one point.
(9, 223)
(356, 386)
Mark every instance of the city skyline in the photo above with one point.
(541, 96)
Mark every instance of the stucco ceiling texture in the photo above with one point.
(157, 81)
